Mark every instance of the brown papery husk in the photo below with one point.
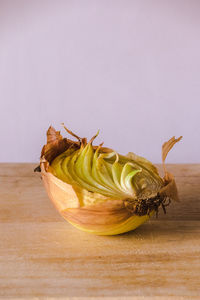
(77, 205)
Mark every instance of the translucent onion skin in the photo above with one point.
(123, 205)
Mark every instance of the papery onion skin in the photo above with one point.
(99, 213)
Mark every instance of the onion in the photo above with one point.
(100, 191)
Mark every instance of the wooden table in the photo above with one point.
(42, 256)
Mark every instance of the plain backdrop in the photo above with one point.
(130, 68)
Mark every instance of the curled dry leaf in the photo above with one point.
(100, 191)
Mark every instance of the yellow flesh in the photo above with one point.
(105, 173)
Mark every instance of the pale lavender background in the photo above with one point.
(130, 68)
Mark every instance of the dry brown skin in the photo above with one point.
(68, 198)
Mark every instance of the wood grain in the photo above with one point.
(42, 256)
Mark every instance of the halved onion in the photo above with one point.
(100, 191)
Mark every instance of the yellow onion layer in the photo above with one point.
(130, 224)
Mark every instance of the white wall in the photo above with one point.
(130, 68)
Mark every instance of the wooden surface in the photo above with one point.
(42, 256)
